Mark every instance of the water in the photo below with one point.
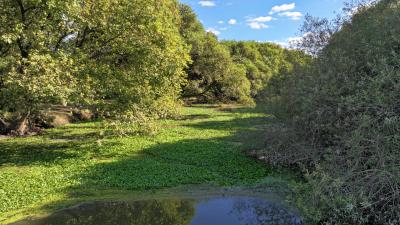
(210, 211)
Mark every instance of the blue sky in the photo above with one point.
(260, 20)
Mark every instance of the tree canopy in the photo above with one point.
(124, 60)
(117, 56)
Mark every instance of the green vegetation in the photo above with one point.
(340, 116)
(123, 59)
(126, 61)
(130, 64)
(212, 74)
(204, 146)
(229, 71)
(262, 61)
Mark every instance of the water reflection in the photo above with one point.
(218, 211)
(163, 212)
(243, 210)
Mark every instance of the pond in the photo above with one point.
(217, 210)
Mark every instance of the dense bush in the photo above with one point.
(342, 117)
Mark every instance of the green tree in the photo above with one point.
(127, 57)
(33, 73)
(212, 71)
(261, 60)
(133, 54)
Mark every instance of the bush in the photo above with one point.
(345, 105)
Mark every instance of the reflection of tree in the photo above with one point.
(256, 211)
(164, 212)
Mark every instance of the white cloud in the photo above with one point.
(292, 15)
(262, 19)
(221, 22)
(232, 21)
(214, 31)
(257, 25)
(259, 22)
(282, 8)
(207, 3)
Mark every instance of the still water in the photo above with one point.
(210, 211)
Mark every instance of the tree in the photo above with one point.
(261, 60)
(126, 56)
(33, 73)
(134, 55)
(211, 72)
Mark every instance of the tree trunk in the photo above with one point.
(4, 126)
(21, 127)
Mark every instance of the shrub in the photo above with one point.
(345, 105)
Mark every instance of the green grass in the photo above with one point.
(205, 146)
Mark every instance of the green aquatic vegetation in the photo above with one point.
(204, 146)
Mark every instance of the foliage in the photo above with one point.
(32, 73)
(345, 105)
(212, 73)
(126, 56)
(261, 61)
(228, 70)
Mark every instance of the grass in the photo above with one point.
(76, 162)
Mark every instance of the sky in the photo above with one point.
(260, 20)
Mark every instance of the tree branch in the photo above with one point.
(79, 43)
(21, 9)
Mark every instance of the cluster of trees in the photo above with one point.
(229, 71)
(260, 60)
(125, 60)
(212, 74)
(341, 112)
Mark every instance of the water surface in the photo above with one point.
(221, 210)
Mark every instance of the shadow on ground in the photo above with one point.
(194, 159)
(50, 148)
(217, 161)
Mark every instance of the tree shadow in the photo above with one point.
(194, 161)
(220, 161)
(237, 124)
(30, 153)
(193, 117)
(49, 151)
(55, 145)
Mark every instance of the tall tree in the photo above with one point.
(33, 71)
(212, 71)
(127, 56)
